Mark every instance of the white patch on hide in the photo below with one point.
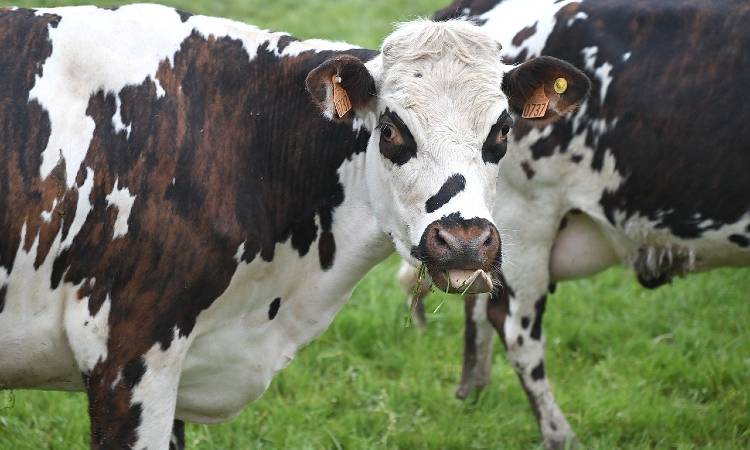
(83, 208)
(117, 122)
(603, 73)
(589, 57)
(296, 47)
(579, 16)
(47, 215)
(123, 201)
(509, 17)
(87, 335)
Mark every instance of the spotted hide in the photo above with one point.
(185, 201)
(126, 195)
(650, 172)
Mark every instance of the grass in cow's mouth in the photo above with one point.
(421, 272)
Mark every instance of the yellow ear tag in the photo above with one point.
(561, 85)
(340, 97)
(536, 106)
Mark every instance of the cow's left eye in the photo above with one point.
(389, 133)
(496, 145)
(505, 130)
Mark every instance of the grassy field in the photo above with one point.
(664, 369)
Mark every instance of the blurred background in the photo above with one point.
(631, 368)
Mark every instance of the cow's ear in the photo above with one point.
(543, 89)
(340, 86)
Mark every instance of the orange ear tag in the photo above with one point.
(340, 97)
(536, 106)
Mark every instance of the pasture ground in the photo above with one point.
(632, 368)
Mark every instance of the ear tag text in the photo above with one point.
(536, 106)
(340, 97)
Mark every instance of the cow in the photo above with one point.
(185, 200)
(651, 172)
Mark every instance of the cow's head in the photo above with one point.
(440, 105)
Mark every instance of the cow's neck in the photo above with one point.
(310, 294)
(363, 244)
(272, 308)
(359, 243)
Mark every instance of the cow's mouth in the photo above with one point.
(461, 281)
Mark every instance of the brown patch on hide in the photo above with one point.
(524, 34)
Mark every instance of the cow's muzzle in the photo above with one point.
(461, 255)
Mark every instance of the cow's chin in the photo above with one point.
(459, 281)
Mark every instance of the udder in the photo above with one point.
(580, 250)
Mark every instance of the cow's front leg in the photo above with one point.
(177, 441)
(521, 331)
(132, 398)
(478, 345)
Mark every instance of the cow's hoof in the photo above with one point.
(561, 443)
(463, 391)
(467, 388)
(418, 319)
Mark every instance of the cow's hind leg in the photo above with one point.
(132, 397)
(479, 340)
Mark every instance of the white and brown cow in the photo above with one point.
(652, 172)
(177, 218)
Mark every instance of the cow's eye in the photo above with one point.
(497, 141)
(505, 130)
(396, 142)
(389, 133)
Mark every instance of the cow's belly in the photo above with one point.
(580, 250)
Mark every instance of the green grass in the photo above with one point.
(664, 369)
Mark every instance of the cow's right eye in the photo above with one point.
(396, 142)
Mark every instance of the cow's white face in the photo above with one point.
(440, 103)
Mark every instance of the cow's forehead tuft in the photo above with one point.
(459, 71)
(427, 40)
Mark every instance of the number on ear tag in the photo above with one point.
(536, 106)
(340, 97)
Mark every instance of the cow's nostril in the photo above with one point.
(439, 240)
